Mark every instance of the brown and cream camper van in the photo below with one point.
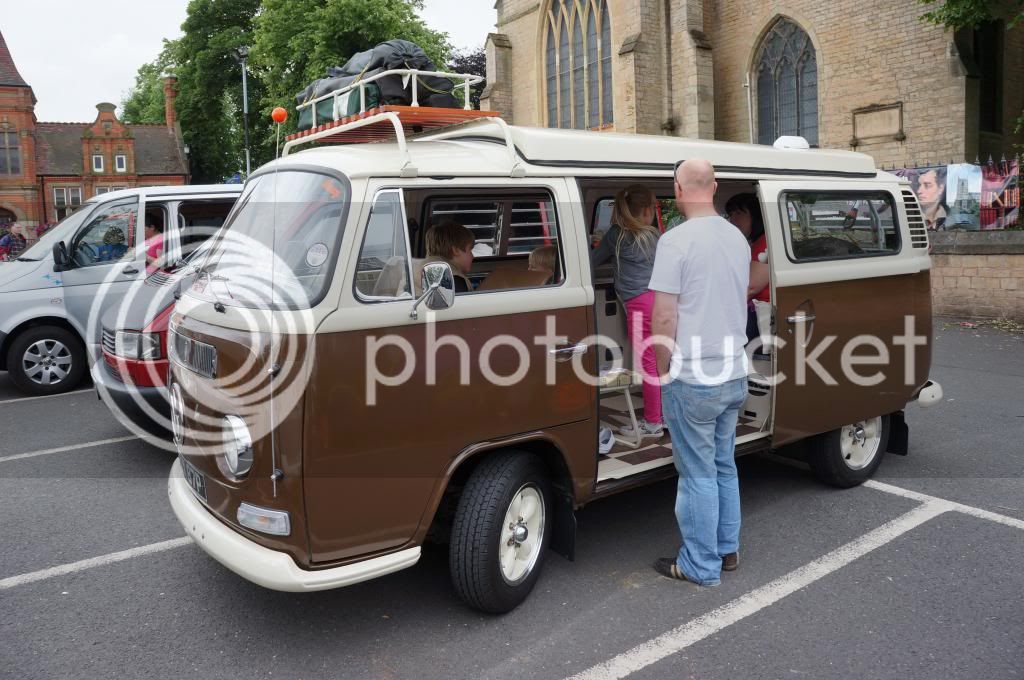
(338, 398)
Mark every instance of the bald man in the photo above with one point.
(700, 279)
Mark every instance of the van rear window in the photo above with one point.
(280, 245)
(840, 225)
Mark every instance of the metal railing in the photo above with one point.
(467, 81)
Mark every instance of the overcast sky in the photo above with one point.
(76, 54)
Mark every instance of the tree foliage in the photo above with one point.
(968, 13)
(474, 62)
(296, 40)
(292, 43)
(144, 103)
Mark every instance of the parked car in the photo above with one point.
(132, 377)
(53, 296)
(381, 449)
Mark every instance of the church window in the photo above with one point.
(578, 53)
(786, 77)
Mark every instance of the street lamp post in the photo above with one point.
(241, 54)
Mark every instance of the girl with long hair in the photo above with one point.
(744, 211)
(631, 243)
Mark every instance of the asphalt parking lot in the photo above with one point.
(915, 575)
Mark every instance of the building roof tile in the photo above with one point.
(9, 75)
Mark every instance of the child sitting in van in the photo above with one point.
(453, 243)
(544, 259)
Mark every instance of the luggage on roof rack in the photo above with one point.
(397, 72)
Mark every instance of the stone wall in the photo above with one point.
(978, 274)
(869, 52)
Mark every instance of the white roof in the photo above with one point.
(479, 149)
(170, 190)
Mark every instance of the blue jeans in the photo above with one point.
(702, 421)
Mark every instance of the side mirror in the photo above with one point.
(61, 259)
(438, 285)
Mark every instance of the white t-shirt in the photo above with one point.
(706, 262)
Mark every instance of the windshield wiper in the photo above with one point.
(27, 259)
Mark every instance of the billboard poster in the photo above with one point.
(967, 196)
(1000, 195)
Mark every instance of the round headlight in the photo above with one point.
(237, 446)
(177, 414)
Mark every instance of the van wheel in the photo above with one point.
(501, 532)
(850, 455)
(46, 360)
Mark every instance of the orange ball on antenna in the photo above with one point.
(279, 114)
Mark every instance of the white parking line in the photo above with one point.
(93, 562)
(62, 449)
(951, 505)
(704, 626)
(45, 396)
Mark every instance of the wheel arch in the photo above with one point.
(35, 322)
(547, 450)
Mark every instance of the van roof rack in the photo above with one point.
(397, 123)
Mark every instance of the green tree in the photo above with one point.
(210, 86)
(144, 103)
(296, 40)
(475, 63)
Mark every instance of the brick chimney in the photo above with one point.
(170, 92)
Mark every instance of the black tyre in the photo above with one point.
(46, 360)
(501, 532)
(850, 455)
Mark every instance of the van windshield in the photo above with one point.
(279, 246)
(62, 231)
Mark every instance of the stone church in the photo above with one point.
(868, 75)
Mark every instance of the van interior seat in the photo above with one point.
(506, 277)
(391, 281)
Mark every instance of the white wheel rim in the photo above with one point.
(859, 442)
(522, 533)
(46, 362)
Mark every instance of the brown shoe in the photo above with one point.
(731, 562)
(666, 566)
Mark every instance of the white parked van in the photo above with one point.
(53, 296)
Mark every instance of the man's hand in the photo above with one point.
(663, 328)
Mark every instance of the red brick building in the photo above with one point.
(48, 169)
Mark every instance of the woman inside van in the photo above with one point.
(744, 211)
(630, 243)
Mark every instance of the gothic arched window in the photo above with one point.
(786, 71)
(578, 61)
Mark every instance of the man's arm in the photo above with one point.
(663, 328)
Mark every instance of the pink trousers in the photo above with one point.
(638, 326)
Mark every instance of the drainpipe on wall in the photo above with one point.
(750, 108)
(42, 199)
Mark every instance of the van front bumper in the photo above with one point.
(263, 566)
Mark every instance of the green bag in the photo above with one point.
(372, 99)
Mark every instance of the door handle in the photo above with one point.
(801, 318)
(129, 270)
(567, 352)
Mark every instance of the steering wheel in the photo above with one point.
(85, 253)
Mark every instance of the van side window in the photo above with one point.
(109, 236)
(383, 270)
(480, 217)
(840, 225)
(517, 240)
(199, 220)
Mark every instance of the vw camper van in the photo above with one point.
(472, 418)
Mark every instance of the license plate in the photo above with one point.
(194, 478)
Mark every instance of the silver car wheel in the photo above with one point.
(46, 362)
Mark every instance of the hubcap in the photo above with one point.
(860, 442)
(46, 362)
(521, 535)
